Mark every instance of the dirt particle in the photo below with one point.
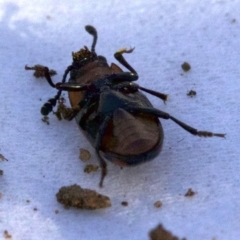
(90, 168)
(39, 71)
(35, 209)
(124, 203)
(75, 196)
(160, 233)
(189, 193)
(84, 155)
(1, 195)
(63, 112)
(191, 93)
(186, 66)
(1, 172)
(7, 235)
(157, 204)
(28, 201)
(56, 211)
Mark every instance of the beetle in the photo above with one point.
(111, 110)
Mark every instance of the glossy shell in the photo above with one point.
(129, 138)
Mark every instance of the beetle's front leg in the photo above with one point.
(119, 56)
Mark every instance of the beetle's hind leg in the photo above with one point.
(101, 133)
(103, 166)
(188, 128)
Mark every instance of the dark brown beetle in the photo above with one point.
(119, 121)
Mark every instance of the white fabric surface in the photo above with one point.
(42, 158)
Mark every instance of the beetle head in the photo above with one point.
(83, 56)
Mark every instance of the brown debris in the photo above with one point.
(160, 233)
(84, 155)
(186, 66)
(75, 196)
(39, 71)
(124, 203)
(192, 93)
(90, 168)
(158, 204)
(189, 193)
(7, 235)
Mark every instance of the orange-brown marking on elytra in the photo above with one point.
(129, 134)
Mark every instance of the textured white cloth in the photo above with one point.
(42, 158)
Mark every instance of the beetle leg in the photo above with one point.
(119, 56)
(48, 106)
(162, 96)
(124, 76)
(99, 137)
(71, 87)
(103, 166)
(165, 115)
(132, 87)
(49, 79)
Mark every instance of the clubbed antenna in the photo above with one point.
(91, 30)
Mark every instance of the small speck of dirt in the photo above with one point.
(1, 172)
(7, 235)
(28, 201)
(0, 195)
(186, 66)
(158, 204)
(35, 209)
(39, 71)
(160, 233)
(84, 155)
(124, 203)
(192, 93)
(56, 211)
(75, 196)
(189, 193)
(90, 168)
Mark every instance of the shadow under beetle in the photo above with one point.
(119, 121)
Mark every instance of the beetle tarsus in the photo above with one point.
(103, 166)
(195, 131)
(210, 134)
(119, 56)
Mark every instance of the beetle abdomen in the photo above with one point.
(134, 134)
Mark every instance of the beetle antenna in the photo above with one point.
(91, 30)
